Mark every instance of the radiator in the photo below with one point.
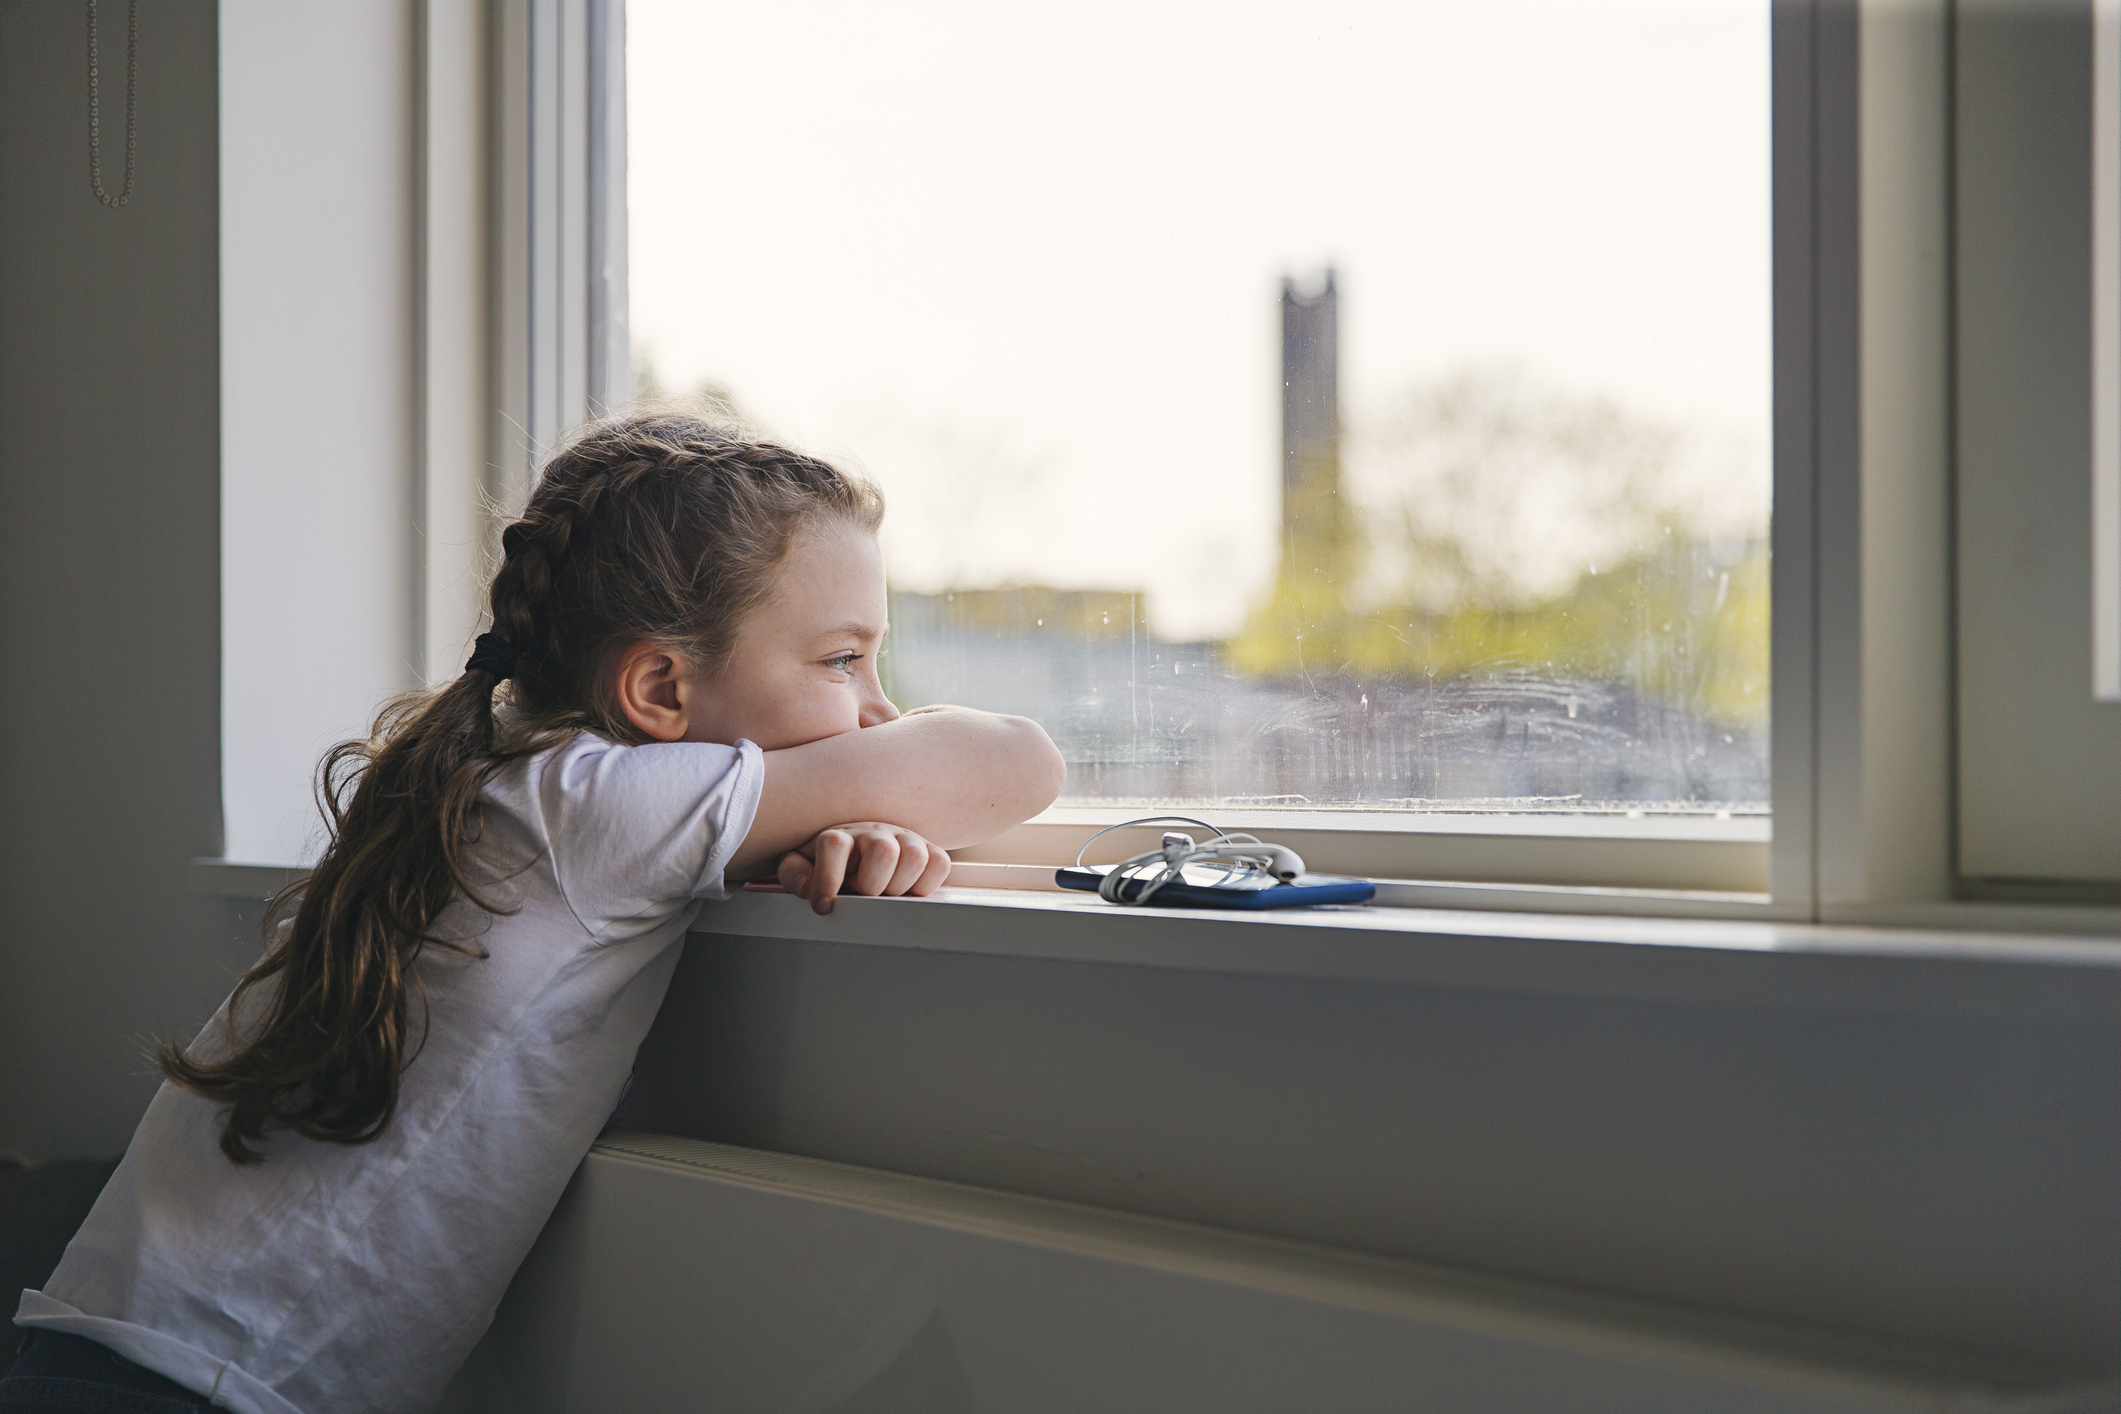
(682, 1275)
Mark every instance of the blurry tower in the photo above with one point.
(1304, 627)
(1313, 519)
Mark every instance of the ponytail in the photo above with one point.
(659, 527)
(326, 1055)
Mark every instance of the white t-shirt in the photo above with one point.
(358, 1277)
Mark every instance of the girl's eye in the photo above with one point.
(844, 662)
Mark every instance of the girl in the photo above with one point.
(326, 1200)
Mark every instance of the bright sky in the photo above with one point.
(1022, 264)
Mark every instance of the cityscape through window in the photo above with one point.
(1290, 405)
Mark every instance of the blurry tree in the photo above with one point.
(1500, 526)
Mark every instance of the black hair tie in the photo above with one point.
(492, 654)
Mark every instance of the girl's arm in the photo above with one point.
(950, 774)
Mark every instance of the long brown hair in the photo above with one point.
(658, 527)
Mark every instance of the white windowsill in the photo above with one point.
(1721, 866)
(1005, 885)
(228, 878)
(1449, 893)
(1678, 866)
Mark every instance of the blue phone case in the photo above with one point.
(1311, 889)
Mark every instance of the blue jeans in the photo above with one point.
(57, 1373)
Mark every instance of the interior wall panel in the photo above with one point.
(1940, 1178)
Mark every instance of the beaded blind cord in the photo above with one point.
(95, 105)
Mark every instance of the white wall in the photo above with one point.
(318, 616)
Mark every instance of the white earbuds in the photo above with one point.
(1283, 863)
(1240, 854)
(1287, 865)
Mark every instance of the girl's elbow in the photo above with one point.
(1044, 770)
(1056, 771)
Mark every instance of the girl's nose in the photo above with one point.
(877, 708)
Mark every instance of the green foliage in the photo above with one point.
(1489, 503)
(1686, 626)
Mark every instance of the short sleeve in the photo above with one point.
(638, 833)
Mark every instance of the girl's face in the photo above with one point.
(804, 664)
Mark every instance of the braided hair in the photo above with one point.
(657, 527)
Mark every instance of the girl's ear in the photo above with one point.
(648, 691)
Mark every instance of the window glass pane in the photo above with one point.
(1303, 404)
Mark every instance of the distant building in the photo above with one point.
(1313, 519)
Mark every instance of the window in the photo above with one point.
(1290, 405)
(1466, 552)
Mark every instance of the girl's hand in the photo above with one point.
(867, 858)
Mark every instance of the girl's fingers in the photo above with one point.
(863, 859)
(933, 876)
(880, 855)
(834, 849)
(913, 852)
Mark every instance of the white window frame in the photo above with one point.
(522, 310)
(422, 286)
(522, 237)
